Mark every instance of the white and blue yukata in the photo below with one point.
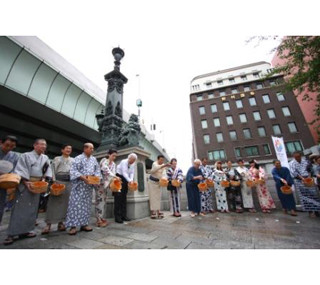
(79, 208)
(308, 196)
(13, 158)
(175, 192)
(220, 192)
(206, 196)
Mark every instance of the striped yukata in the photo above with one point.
(308, 196)
(175, 192)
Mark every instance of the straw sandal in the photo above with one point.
(86, 229)
(73, 231)
(61, 227)
(46, 230)
(8, 240)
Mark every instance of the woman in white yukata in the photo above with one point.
(109, 172)
(218, 175)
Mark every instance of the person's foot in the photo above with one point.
(239, 211)
(86, 228)
(160, 215)
(9, 240)
(226, 211)
(101, 223)
(72, 231)
(28, 235)
(285, 211)
(312, 215)
(202, 214)
(46, 230)
(118, 220)
(212, 211)
(293, 213)
(252, 210)
(61, 227)
(192, 214)
(264, 211)
(126, 219)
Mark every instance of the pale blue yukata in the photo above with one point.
(12, 157)
(206, 196)
(79, 208)
(175, 192)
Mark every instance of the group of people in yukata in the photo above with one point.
(239, 196)
(72, 209)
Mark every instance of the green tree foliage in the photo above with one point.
(300, 67)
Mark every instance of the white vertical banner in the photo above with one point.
(280, 149)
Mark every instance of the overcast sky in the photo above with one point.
(166, 42)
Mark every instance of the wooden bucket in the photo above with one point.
(286, 190)
(163, 182)
(250, 183)
(93, 180)
(176, 183)
(9, 180)
(203, 186)
(115, 185)
(235, 183)
(308, 182)
(133, 186)
(210, 182)
(39, 187)
(56, 189)
(225, 183)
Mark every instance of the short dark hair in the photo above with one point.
(240, 160)
(202, 159)
(230, 161)
(275, 160)
(9, 138)
(297, 152)
(111, 151)
(256, 165)
(39, 139)
(173, 159)
(160, 156)
(65, 145)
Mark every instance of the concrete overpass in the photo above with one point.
(43, 95)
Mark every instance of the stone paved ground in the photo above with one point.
(214, 231)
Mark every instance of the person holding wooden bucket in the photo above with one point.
(32, 167)
(8, 144)
(125, 170)
(109, 172)
(58, 202)
(284, 181)
(157, 172)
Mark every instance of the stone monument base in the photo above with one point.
(137, 201)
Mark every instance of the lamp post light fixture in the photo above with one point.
(139, 104)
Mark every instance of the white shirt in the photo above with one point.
(126, 170)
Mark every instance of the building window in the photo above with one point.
(196, 87)
(210, 95)
(262, 132)
(266, 149)
(226, 106)
(214, 108)
(220, 82)
(216, 122)
(222, 93)
(199, 98)
(292, 128)
(229, 120)
(206, 139)
(243, 118)
(276, 130)
(237, 152)
(234, 90)
(219, 137)
(231, 80)
(202, 110)
(271, 114)
(204, 124)
(252, 101)
(243, 77)
(272, 83)
(233, 135)
(286, 111)
(217, 155)
(247, 133)
(256, 74)
(239, 104)
(209, 85)
(246, 88)
(252, 150)
(266, 98)
(257, 116)
(259, 85)
(280, 97)
(291, 147)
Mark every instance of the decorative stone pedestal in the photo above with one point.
(137, 201)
